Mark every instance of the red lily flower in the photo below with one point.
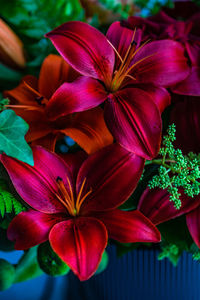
(74, 204)
(131, 83)
(28, 100)
(162, 26)
(155, 205)
(185, 114)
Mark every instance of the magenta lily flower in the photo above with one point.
(163, 26)
(155, 205)
(130, 79)
(74, 204)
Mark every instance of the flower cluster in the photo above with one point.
(108, 94)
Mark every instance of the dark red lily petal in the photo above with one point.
(31, 228)
(121, 38)
(159, 96)
(134, 121)
(191, 85)
(82, 94)
(129, 226)
(185, 115)
(155, 205)
(74, 161)
(37, 185)
(193, 223)
(85, 48)
(80, 244)
(112, 173)
(53, 73)
(163, 63)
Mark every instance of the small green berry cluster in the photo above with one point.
(177, 171)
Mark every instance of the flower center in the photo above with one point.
(67, 198)
(126, 66)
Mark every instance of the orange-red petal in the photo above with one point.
(53, 73)
(89, 130)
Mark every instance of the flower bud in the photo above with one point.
(11, 47)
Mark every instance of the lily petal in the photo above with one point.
(85, 48)
(193, 223)
(37, 185)
(82, 94)
(159, 96)
(112, 173)
(53, 73)
(89, 130)
(121, 38)
(31, 228)
(129, 226)
(135, 121)
(80, 244)
(155, 205)
(22, 94)
(163, 63)
(191, 85)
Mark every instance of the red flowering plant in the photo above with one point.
(111, 94)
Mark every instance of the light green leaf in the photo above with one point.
(8, 203)
(12, 131)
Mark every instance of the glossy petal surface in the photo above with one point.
(129, 226)
(85, 49)
(155, 205)
(134, 121)
(53, 73)
(112, 173)
(80, 243)
(82, 94)
(162, 63)
(191, 85)
(89, 130)
(31, 228)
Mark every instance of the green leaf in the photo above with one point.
(50, 262)
(12, 131)
(8, 203)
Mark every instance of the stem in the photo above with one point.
(160, 162)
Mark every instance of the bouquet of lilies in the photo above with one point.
(102, 144)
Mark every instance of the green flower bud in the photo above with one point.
(7, 274)
(49, 261)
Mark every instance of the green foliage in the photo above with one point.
(176, 170)
(8, 203)
(27, 267)
(49, 261)
(12, 142)
(103, 264)
(175, 239)
(3, 102)
(31, 19)
(7, 274)
(170, 251)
